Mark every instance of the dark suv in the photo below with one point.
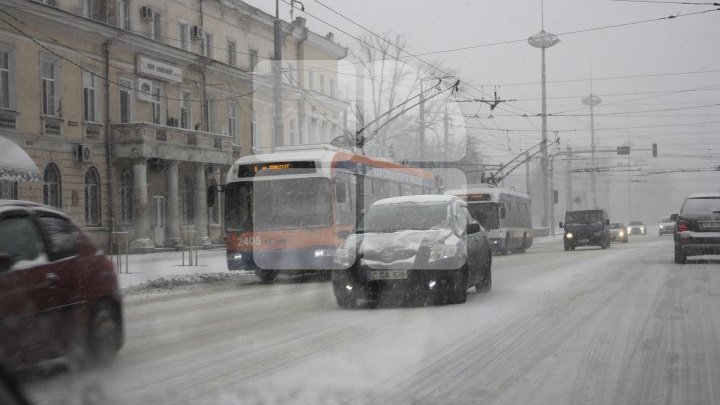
(59, 295)
(697, 227)
(586, 228)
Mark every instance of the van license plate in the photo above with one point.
(387, 275)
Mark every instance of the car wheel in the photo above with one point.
(680, 257)
(266, 276)
(506, 247)
(523, 247)
(486, 283)
(344, 298)
(572, 247)
(104, 334)
(458, 294)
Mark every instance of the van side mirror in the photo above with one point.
(473, 227)
(340, 195)
(502, 211)
(674, 217)
(560, 225)
(607, 222)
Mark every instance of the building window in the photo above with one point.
(322, 84)
(214, 211)
(92, 197)
(126, 99)
(8, 190)
(332, 88)
(311, 80)
(231, 53)
(90, 101)
(156, 104)
(94, 9)
(52, 186)
(49, 81)
(183, 35)
(252, 59)
(6, 79)
(154, 26)
(232, 121)
(186, 201)
(126, 197)
(210, 115)
(293, 133)
(124, 14)
(185, 111)
(207, 45)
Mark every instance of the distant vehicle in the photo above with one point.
(586, 228)
(618, 232)
(412, 246)
(665, 226)
(287, 212)
(637, 228)
(59, 296)
(505, 214)
(697, 227)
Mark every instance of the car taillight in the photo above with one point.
(682, 226)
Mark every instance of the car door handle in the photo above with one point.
(52, 279)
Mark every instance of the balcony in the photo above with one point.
(52, 125)
(8, 119)
(144, 140)
(93, 131)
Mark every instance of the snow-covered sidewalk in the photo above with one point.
(143, 268)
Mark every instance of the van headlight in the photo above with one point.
(442, 251)
(569, 235)
(343, 257)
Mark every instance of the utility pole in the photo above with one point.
(421, 135)
(446, 127)
(278, 130)
(544, 40)
(527, 172)
(568, 181)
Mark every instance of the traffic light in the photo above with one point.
(654, 150)
(555, 197)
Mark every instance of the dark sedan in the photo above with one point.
(59, 295)
(697, 227)
(414, 246)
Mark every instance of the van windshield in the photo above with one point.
(578, 217)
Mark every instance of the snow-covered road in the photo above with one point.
(624, 325)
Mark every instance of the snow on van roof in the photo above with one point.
(422, 198)
(704, 195)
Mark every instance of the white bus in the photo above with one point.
(505, 214)
(289, 211)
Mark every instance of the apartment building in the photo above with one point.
(132, 108)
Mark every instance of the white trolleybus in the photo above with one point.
(287, 212)
(505, 214)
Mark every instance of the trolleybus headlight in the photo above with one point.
(621, 234)
(237, 256)
(323, 253)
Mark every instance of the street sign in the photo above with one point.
(623, 150)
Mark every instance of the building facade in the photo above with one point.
(132, 108)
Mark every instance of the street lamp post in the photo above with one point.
(592, 100)
(544, 40)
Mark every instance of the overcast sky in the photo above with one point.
(665, 101)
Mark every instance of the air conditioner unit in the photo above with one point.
(144, 89)
(83, 153)
(147, 13)
(197, 32)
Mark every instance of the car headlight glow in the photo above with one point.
(442, 251)
(569, 235)
(629, 229)
(237, 256)
(621, 234)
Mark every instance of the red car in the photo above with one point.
(59, 295)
